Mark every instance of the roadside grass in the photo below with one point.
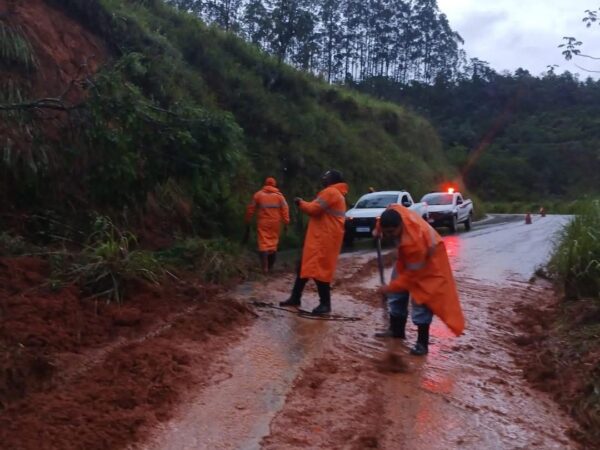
(217, 261)
(112, 261)
(576, 267)
(523, 207)
(576, 259)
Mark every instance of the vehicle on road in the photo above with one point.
(448, 209)
(361, 218)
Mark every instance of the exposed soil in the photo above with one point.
(327, 404)
(63, 48)
(66, 54)
(294, 383)
(290, 383)
(561, 355)
(77, 373)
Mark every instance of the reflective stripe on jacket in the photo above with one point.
(271, 210)
(424, 270)
(325, 233)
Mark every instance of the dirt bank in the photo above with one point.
(560, 355)
(77, 373)
(64, 55)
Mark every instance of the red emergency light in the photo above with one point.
(450, 190)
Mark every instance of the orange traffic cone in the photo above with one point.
(528, 219)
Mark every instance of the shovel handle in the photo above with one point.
(380, 261)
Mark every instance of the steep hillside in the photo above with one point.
(151, 114)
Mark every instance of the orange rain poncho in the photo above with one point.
(424, 270)
(325, 233)
(272, 210)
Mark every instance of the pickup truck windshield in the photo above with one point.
(438, 199)
(380, 201)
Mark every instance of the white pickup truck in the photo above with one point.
(361, 218)
(448, 209)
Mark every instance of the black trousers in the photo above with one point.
(323, 288)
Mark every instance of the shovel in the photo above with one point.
(392, 362)
(382, 280)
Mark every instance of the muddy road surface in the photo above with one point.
(297, 383)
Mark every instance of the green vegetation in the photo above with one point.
(190, 110)
(575, 346)
(110, 261)
(523, 207)
(171, 139)
(343, 40)
(15, 49)
(513, 137)
(577, 257)
(217, 260)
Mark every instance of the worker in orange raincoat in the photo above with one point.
(272, 211)
(323, 241)
(423, 270)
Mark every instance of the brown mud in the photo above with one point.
(78, 373)
(560, 355)
(195, 377)
(293, 383)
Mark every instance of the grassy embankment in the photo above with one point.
(567, 355)
(177, 129)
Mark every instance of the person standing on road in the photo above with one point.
(323, 241)
(272, 211)
(423, 270)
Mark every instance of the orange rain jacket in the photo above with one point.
(424, 270)
(325, 232)
(272, 210)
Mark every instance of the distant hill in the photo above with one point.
(514, 137)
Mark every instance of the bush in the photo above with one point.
(576, 259)
(215, 260)
(109, 262)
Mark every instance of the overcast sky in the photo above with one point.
(524, 33)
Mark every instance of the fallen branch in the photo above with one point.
(44, 103)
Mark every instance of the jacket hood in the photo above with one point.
(342, 187)
(270, 189)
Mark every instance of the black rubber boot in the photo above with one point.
(271, 258)
(324, 298)
(396, 329)
(264, 261)
(296, 296)
(421, 348)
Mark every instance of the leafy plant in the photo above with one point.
(215, 260)
(109, 262)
